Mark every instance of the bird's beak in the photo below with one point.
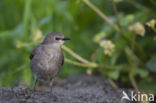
(66, 38)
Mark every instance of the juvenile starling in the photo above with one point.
(47, 58)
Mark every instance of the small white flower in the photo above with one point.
(108, 46)
(137, 28)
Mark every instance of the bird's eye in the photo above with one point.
(57, 38)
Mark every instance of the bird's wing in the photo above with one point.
(33, 53)
(62, 59)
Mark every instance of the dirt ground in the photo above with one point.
(74, 89)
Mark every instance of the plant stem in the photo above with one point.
(90, 65)
(114, 85)
(133, 82)
(26, 16)
(116, 13)
(75, 55)
(139, 6)
(102, 15)
(134, 43)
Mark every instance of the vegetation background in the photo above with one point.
(115, 38)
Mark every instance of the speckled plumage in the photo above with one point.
(47, 58)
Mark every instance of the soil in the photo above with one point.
(74, 89)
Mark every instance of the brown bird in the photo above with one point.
(47, 58)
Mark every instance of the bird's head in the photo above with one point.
(55, 38)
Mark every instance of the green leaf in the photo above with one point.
(148, 86)
(118, 1)
(131, 57)
(114, 74)
(151, 64)
(141, 72)
(99, 36)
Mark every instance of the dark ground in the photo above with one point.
(74, 89)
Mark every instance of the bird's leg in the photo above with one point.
(51, 84)
(36, 80)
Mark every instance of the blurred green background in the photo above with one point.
(116, 37)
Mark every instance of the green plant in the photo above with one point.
(105, 38)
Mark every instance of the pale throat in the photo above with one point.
(57, 45)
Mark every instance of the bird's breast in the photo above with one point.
(47, 62)
(53, 58)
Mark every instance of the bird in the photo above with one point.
(47, 59)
